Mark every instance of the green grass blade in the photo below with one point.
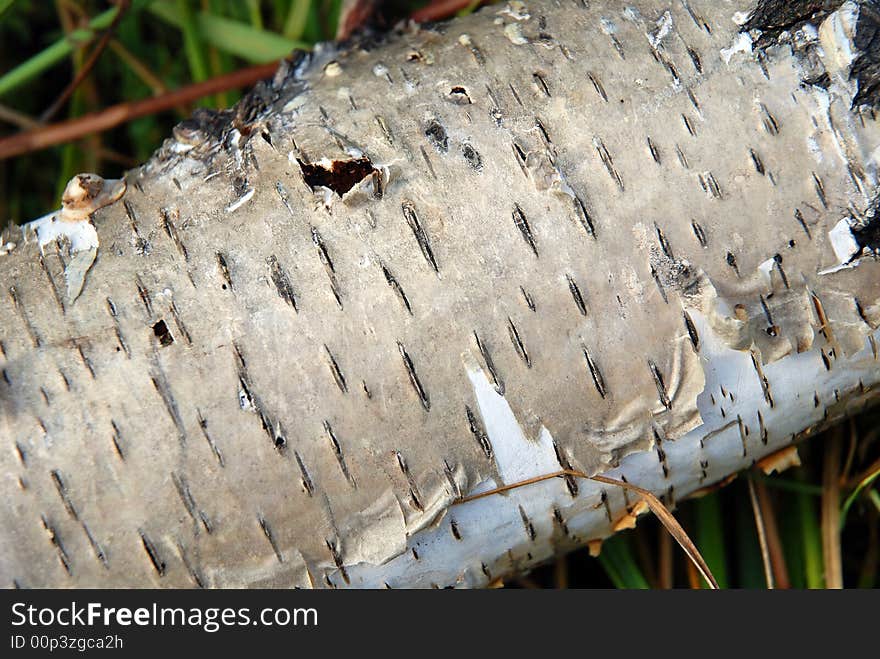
(192, 42)
(334, 16)
(620, 564)
(791, 486)
(72, 154)
(471, 8)
(248, 43)
(790, 537)
(254, 15)
(230, 36)
(53, 54)
(810, 541)
(710, 535)
(4, 5)
(847, 504)
(297, 19)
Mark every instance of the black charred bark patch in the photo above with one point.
(773, 17)
(866, 68)
(867, 232)
(340, 176)
(204, 125)
(253, 105)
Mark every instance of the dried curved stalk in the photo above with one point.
(662, 512)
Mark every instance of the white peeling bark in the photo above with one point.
(551, 235)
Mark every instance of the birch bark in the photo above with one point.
(627, 238)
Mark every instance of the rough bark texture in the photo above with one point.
(599, 235)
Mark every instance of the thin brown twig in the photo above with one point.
(665, 568)
(645, 557)
(693, 577)
(65, 9)
(355, 15)
(781, 579)
(70, 14)
(118, 158)
(851, 451)
(560, 572)
(17, 118)
(668, 520)
(527, 582)
(831, 553)
(440, 9)
(511, 486)
(660, 511)
(762, 532)
(141, 70)
(89, 64)
(72, 129)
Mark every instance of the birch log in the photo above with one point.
(635, 238)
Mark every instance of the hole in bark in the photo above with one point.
(340, 176)
(458, 94)
(160, 329)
